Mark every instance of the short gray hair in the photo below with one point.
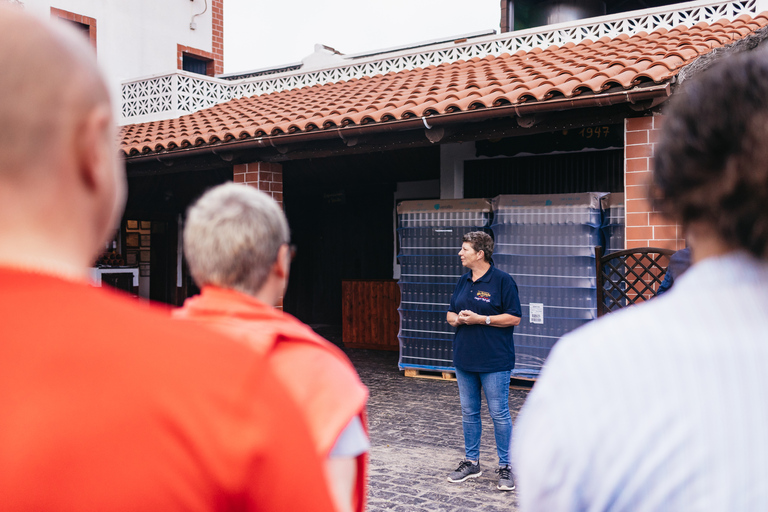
(232, 237)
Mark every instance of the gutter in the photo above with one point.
(655, 94)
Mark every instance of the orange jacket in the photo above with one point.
(108, 405)
(318, 375)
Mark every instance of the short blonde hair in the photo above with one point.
(232, 237)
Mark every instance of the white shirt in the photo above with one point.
(352, 442)
(662, 406)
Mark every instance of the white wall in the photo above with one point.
(137, 38)
(452, 158)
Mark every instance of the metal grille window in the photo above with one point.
(546, 174)
(194, 64)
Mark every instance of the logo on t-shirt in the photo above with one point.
(483, 296)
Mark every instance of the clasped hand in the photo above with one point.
(467, 317)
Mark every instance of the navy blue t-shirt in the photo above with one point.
(485, 348)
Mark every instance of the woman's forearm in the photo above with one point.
(502, 320)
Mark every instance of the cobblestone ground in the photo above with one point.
(416, 437)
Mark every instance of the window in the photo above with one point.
(84, 24)
(196, 61)
(194, 64)
(82, 27)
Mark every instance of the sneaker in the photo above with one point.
(465, 470)
(505, 479)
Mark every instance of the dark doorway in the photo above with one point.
(161, 200)
(163, 260)
(345, 234)
(341, 213)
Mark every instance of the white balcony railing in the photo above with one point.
(178, 93)
(171, 95)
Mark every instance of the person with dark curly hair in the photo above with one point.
(662, 406)
(484, 309)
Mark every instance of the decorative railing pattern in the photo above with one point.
(148, 96)
(174, 94)
(195, 94)
(179, 93)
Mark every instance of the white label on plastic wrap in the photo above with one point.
(536, 313)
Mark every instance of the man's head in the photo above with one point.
(237, 237)
(711, 164)
(57, 135)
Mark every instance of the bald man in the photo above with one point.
(105, 405)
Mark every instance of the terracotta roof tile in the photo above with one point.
(538, 75)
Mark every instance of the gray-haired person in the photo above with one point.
(236, 241)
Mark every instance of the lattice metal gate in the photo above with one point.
(629, 276)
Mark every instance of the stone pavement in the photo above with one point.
(416, 438)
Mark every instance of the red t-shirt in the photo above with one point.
(108, 405)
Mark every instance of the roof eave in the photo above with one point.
(642, 97)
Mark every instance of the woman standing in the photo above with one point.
(484, 309)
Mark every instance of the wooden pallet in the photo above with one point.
(419, 373)
(429, 374)
(521, 383)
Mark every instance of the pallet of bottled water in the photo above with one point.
(429, 268)
(547, 244)
(549, 271)
(548, 209)
(613, 233)
(443, 212)
(613, 222)
(429, 239)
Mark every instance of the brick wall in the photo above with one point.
(504, 24)
(645, 226)
(215, 57)
(217, 8)
(265, 176)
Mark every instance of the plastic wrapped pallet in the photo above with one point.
(613, 222)
(546, 242)
(613, 231)
(430, 233)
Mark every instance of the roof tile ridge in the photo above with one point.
(658, 73)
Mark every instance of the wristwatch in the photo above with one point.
(487, 320)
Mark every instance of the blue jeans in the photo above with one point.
(496, 386)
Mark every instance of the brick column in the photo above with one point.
(265, 176)
(504, 24)
(217, 43)
(646, 227)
